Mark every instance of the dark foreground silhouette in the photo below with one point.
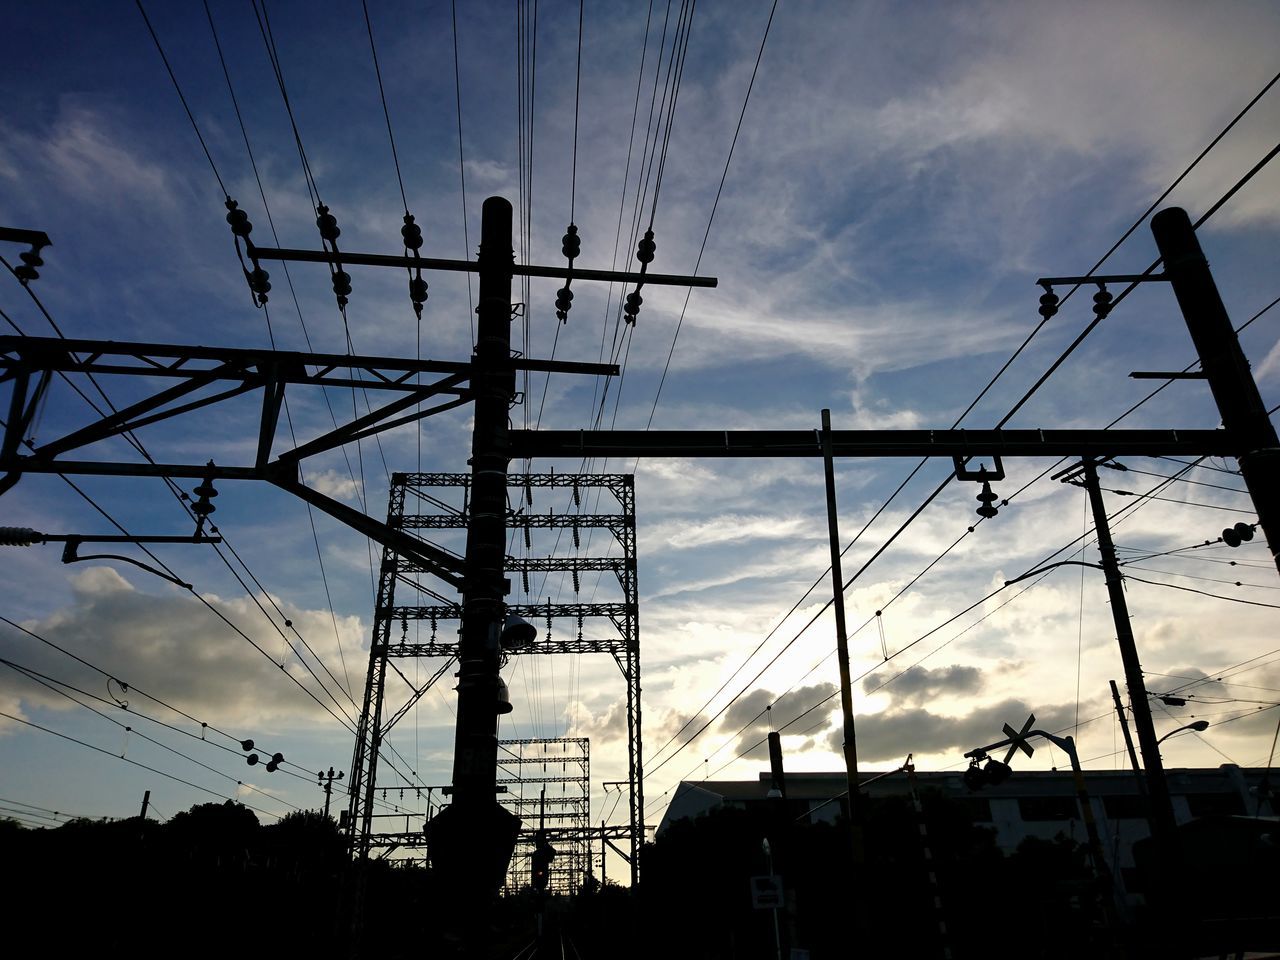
(214, 882)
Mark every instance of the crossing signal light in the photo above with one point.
(543, 853)
(1240, 533)
(992, 775)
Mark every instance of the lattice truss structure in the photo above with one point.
(434, 506)
(548, 783)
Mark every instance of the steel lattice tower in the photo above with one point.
(415, 506)
(559, 783)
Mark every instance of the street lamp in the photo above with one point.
(1199, 726)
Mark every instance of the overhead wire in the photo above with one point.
(55, 686)
(155, 770)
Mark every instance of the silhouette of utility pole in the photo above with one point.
(327, 783)
(1224, 365)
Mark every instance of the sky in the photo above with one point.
(902, 175)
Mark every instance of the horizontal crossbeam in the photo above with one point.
(472, 266)
(458, 521)
(530, 611)
(873, 443)
(615, 645)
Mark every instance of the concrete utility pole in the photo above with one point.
(1243, 413)
(146, 802)
(472, 839)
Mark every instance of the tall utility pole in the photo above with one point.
(472, 839)
(1243, 413)
(842, 644)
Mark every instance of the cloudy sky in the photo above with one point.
(901, 177)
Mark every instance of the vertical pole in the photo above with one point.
(1162, 819)
(604, 877)
(1101, 867)
(842, 643)
(493, 384)
(1128, 738)
(146, 802)
(473, 838)
(1243, 413)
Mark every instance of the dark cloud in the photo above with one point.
(892, 734)
(1184, 681)
(173, 647)
(920, 684)
(749, 715)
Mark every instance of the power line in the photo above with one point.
(178, 89)
(382, 94)
(135, 763)
(1216, 596)
(49, 683)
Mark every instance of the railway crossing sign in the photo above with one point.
(1018, 739)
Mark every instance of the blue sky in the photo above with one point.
(902, 176)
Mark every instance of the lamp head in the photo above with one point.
(517, 632)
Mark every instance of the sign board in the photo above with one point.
(766, 892)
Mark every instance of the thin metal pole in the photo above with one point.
(1163, 824)
(842, 644)
(1128, 738)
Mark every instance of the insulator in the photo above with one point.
(341, 284)
(246, 744)
(528, 539)
(564, 301)
(411, 232)
(1048, 304)
(1102, 303)
(206, 490)
(576, 539)
(1238, 534)
(632, 306)
(328, 224)
(986, 497)
(647, 248)
(528, 490)
(576, 587)
(577, 496)
(202, 508)
(238, 219)
(571, 243)
(524, 580)
(259, 283)
(251, 759)
(418, 291)
(30, 260)
(19, 536)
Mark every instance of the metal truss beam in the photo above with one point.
(613, 645)
(531, 521)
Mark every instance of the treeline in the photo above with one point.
(210, 875)
(215, 880)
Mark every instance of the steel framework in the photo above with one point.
(560, 801)
(606, 627)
